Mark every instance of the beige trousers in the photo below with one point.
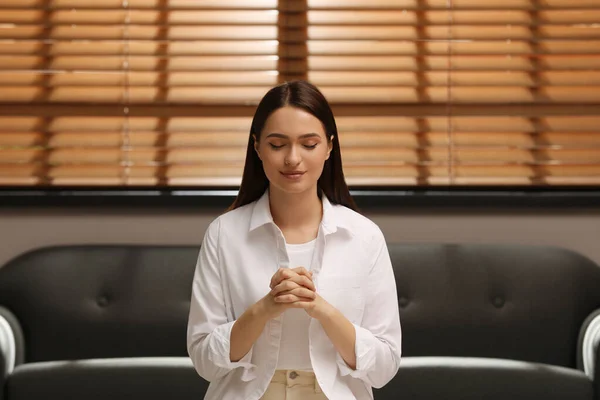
(293, 385)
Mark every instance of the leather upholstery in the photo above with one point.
(426, 378)
(503, 301)
(479, 310)
(113, 379)
(112, 301)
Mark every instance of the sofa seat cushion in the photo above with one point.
(449, 378)
(114, 379)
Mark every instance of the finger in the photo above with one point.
(284, 286)
(298, 280)
(302, 271)
(300, 304)
(280, 275)
(299, 292)
(305, 293)
(300, 275)
(286, 298)
(275, 278)
(302, 280)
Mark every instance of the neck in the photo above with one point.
(295, 209)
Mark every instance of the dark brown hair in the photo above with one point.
(307, 97)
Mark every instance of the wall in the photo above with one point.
(22, 229)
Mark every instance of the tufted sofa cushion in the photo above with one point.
(501, 301)
(79, 302)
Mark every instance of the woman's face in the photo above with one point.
(293, 148)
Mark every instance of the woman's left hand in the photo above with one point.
(317, 308)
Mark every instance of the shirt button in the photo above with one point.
(293, 375)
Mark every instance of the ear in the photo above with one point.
(256, 146)
(329, 147)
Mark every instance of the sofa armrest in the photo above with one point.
(587, 346)
(9, 335)
(2, 377)
(12, 342)
(12, 349)
(597, 375)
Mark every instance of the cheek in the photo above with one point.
(270, 156)
(270, 161)
(318, 157)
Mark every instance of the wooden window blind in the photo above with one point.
(426, 92)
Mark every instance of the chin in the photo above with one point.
(293, 187)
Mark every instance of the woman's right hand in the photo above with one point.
(288, 285)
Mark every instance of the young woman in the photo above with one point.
(294, 295)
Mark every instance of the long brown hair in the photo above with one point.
(306, 96)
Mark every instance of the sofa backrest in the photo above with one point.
(515, 302)
(78, 302)
(504, 301)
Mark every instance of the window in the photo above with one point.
(426, 92)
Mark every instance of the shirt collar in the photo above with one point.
(261, 215)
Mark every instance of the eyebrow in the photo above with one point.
(282, 136)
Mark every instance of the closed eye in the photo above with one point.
(275, 147)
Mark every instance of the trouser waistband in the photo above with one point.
(296, 378)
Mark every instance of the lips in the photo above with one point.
(293, 174)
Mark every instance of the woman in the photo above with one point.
(294, 294)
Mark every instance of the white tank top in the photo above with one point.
(294, 350)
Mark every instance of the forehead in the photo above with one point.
(293, 122)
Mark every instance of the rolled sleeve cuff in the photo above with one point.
(219, 353)
(365, 356)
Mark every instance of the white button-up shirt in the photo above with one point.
(241, 251)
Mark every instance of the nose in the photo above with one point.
(293, 157)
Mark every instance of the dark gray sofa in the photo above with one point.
(479, 322)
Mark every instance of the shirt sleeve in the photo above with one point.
(209, 328)
(379, 336)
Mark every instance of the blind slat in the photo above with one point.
(193, 32)
(133, 48)
(345, 124)
(140, 63)
(314, 47)
(139, 32)
(320, 78)
(480, 47)
(214, 95)
(252, 78)
(352, 156)
(427, 63)
(402, 17)
(313, 4)
(247, 17)
(316, 63)
(135, 4)
(454, 78)
(452, 32)
(362, 140)
(403, 175)
(242, 95)
(138, 17)
(443, 4)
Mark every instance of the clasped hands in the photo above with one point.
(294, 288)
